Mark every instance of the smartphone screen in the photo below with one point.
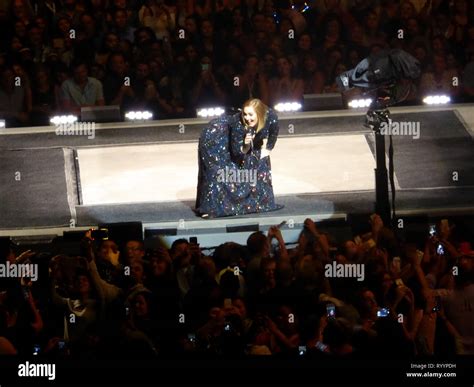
(36, 349)
(331, 311)
(396, 263)
(437, 306)
(440, 249)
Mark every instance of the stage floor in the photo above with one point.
(168, 172)
(148, 173)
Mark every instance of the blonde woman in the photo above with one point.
(234, 163)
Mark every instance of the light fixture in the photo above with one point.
(138, 115)
(359, 103)
(437, 99)
(63, 119)
(210, 112)
(284, 107)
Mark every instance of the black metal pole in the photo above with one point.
(382, 202)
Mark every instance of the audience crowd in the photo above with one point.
(413, 297)
(172, 57)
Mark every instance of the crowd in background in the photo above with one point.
(116, 298)
(171, 57)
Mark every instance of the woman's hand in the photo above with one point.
(264, 152)
(248, 139)
(24, 256)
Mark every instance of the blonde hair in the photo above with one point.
(260, 108)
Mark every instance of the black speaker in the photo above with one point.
(124, 231)
(101, 114)
(359, 223)
(153, 233)
(5, 246)
(320, 102)
(243, 228)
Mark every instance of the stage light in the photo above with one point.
(288, 107)
(437, 99)
(138, 115)
(359, 103)
(210, 112)
(64, 119)
(2, 124)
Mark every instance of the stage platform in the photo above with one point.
(323, 168)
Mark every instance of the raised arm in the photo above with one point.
(55, 276)
(37, 323)
(106, 291)
(273, 129)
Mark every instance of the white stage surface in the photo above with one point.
(168, 171)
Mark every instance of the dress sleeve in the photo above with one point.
(236, 139)
(273, 129)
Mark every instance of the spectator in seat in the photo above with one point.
(286, 86)
(15, 99)
(44, 101)
(440, 80)
(40, 49)
(252, 83)
(207, 90)
(118, 87)
(81, 90)
(468, 79)
(122, 27)
(110, 44)
(156, 15)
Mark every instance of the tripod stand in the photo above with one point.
(376, 116)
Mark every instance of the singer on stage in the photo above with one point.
(234, 163)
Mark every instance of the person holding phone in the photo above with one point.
(207, 90)
(252, 83)
(234, 163)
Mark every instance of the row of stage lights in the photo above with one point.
(289, 107)
(202, 113)
(284, 107)
(129, 116)
(428, 100)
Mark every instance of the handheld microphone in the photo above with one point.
(250, 130)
